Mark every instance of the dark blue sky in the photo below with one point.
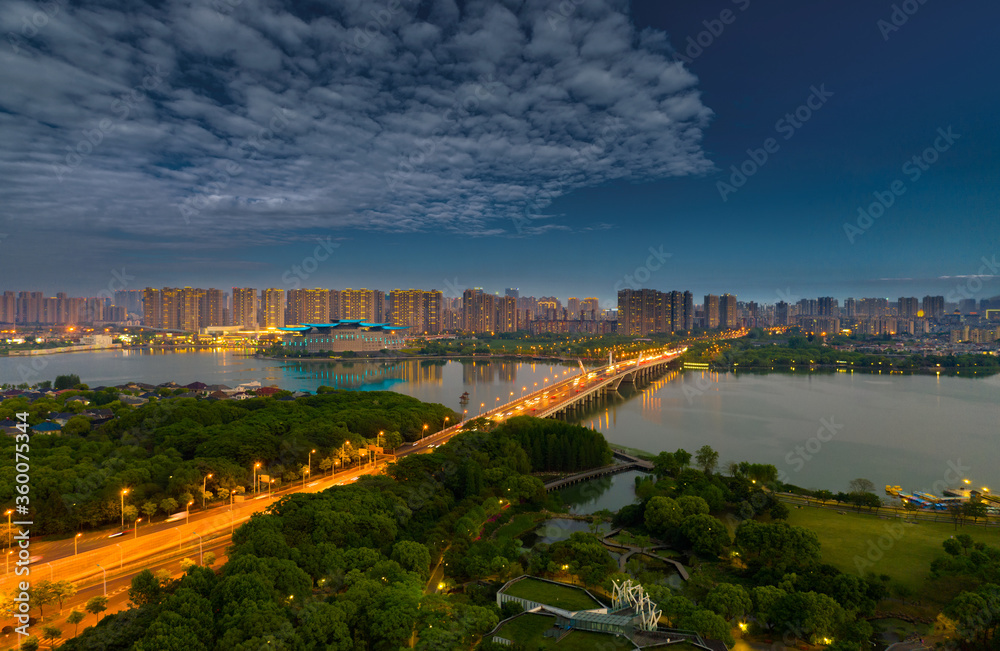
(537, 145)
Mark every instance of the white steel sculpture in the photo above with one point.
(633, 595)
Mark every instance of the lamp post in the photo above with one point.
(76, 539)
(309, 470)
(424, 433)
(8, 514)
(201, 556)
(121, 555)
(255, 467)
(187, 513)
(204, 487)
(269, 482)
(105, 579)
(123, 494)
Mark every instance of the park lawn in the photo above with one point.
(528, 630)
(551, 594)
(519, 525)
(854, 535)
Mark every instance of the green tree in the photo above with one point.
(42, 594)
(75, 617)
(51, 633)
(63, 590)
(708, 624)
(169, 505)
(707, 459)
(96, 605)
(30, 644)
(130, 513)
(145, 589)
(66, 381)
(729, 600)
(692, 505)
(708, 536)
(149, 509)
(412, 556)
(662, 515)
(76, 426)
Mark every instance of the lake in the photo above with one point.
(819, 429)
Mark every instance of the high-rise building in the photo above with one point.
(711, 311)
(512, 291)
(642, 311)
(825, 305)
(933, 307)
(727, 312)
(8, 307)
(272, 308)
(781, 313)
(245, 308)
(416, 308)
(688, 311)
(907, 308)
(591, 308)
(211, 310)
(365, 304)
(507, 315)
(967, 305)
(152, 308)
(334, 305)
(478, 311)
(573, 306)
(307, 306)
(851, 308)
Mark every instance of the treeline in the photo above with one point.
(556, 446)
(797, 351)
(163, 451)
(345, 568)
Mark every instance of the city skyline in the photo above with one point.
(244, 141)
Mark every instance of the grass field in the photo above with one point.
(528, 630)
(852, 540)
(551, 594)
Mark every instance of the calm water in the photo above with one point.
(821, 430)
(610, 493)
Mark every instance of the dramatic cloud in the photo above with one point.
(199, 124)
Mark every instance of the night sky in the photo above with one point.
(565, 148)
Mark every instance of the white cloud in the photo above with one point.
(463, 123)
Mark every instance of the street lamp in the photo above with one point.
(123, 494)
(269, 482)
(204, 487)
(255, 467)
(76, 539)
(8, 514)
(424, 432)
(121, 555)
(187, 513)
(137, 521)
(105, 579)
(309, 471)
